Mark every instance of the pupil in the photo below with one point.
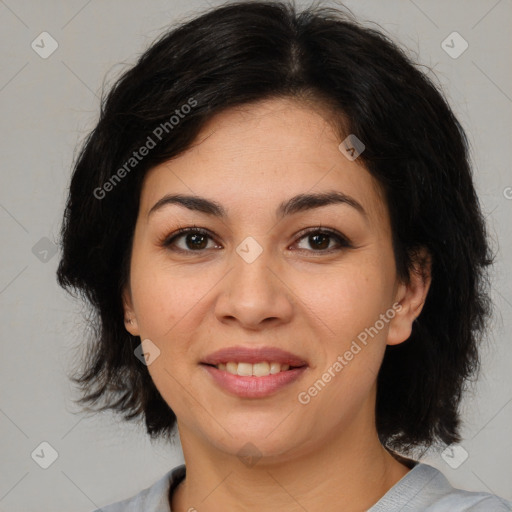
(320, 246)
(195, 238)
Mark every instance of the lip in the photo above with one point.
(253, 355)
(253, 387)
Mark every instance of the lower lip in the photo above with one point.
(253, 387)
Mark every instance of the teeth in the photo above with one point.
(275, 368)
(244, 369)
(257, 370)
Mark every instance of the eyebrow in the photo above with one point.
(296, 204)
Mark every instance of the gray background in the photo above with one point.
(47, 107)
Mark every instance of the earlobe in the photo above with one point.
(130, 320)
(411, 297)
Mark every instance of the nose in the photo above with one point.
(254, 294)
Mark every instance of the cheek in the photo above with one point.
(164, 295)
(155, 303)
(352, 304)
(353, 349)
(350, 299)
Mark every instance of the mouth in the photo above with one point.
(253, 372)
(253, 361)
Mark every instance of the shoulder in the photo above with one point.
(151, 499)
(425, 488)
(465, 501)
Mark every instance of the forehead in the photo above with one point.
(264, 152)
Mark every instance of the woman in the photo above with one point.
(275, 223)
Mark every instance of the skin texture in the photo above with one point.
(312, 456)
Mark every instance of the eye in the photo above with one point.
(194, 240)
(319, 239)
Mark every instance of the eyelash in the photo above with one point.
(343, 242)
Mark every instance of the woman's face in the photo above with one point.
(266, 277)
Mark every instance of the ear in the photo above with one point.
(411, 298)
(130, 320)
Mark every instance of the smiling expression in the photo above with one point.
(288, 247)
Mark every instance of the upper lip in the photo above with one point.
(253, 355)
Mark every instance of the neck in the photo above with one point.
(350, 471)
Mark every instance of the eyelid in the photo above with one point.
(343, 241)
(168, 239)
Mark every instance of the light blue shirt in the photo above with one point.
(422, 489)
